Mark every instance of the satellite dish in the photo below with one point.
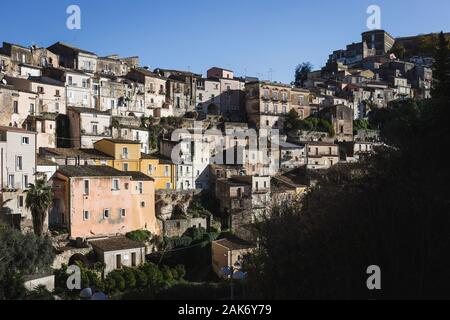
(86, 293)
(239, 275)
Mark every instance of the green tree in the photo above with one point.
(39, 200)
(390, 210)
(399, 50)
(301, 73)
(21, 254)
(441, 69)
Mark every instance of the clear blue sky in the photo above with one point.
(248, 36)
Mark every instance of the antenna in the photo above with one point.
(270, 74)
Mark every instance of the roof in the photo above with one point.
(287, 145)
(74, 153)
(233, 243)
(122, 141)
(101, 171)
(116, 244)
(162, 159)
(88, 110)
(45, 116)
(320, 143)
(13, 129)
(47, 81)
(74, 48)
(44, 162)
(149, 73)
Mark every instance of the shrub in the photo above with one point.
(128, 276)
(139, 235)
(141, 279)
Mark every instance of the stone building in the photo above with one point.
(208, 96)
(17, 171)
(267, 104)
(118, 252)
(155, 88)
(341, 118)
(181, 89)
(79, 86)
(16, 104)
(88, 126)
(74, 58)
(321, 155)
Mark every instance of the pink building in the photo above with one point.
(97, 201)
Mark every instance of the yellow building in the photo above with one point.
(160, 169)
(126, 153)
(127, 157)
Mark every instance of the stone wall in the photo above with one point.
(167, 200)
(177, 227)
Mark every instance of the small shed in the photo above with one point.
(118, 252)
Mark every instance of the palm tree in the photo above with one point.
(39, 200)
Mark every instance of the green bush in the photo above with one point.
(139, 235)
(141, 279)
(128, 276)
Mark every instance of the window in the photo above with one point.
(70, 80)
(15, 106)
(11, 181)
(106, 214)
(86, 215)
(115, 184)
(25, 181)
(140, 187)
(127, 186)
(40, 89)
(168, 185)
(94, 129)
(25, 140)
(142, 204)
(118, 261)
(124, 153)
(113, 104)
(31, 110)
(166, 171)
(200, 97)
(56, 106)
(86, 187)
(123, 212)
(266, 94)
(19, 163)
(266, 107)
(20, 201)
(275, 95)
(301, 100)
(57, 93)
(125, 167)
(150, 169)
(275, 108)
(85, 83)
(284, 109)
(133, 259)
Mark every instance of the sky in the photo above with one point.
(262, 38)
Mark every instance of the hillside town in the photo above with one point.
(127, 149)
